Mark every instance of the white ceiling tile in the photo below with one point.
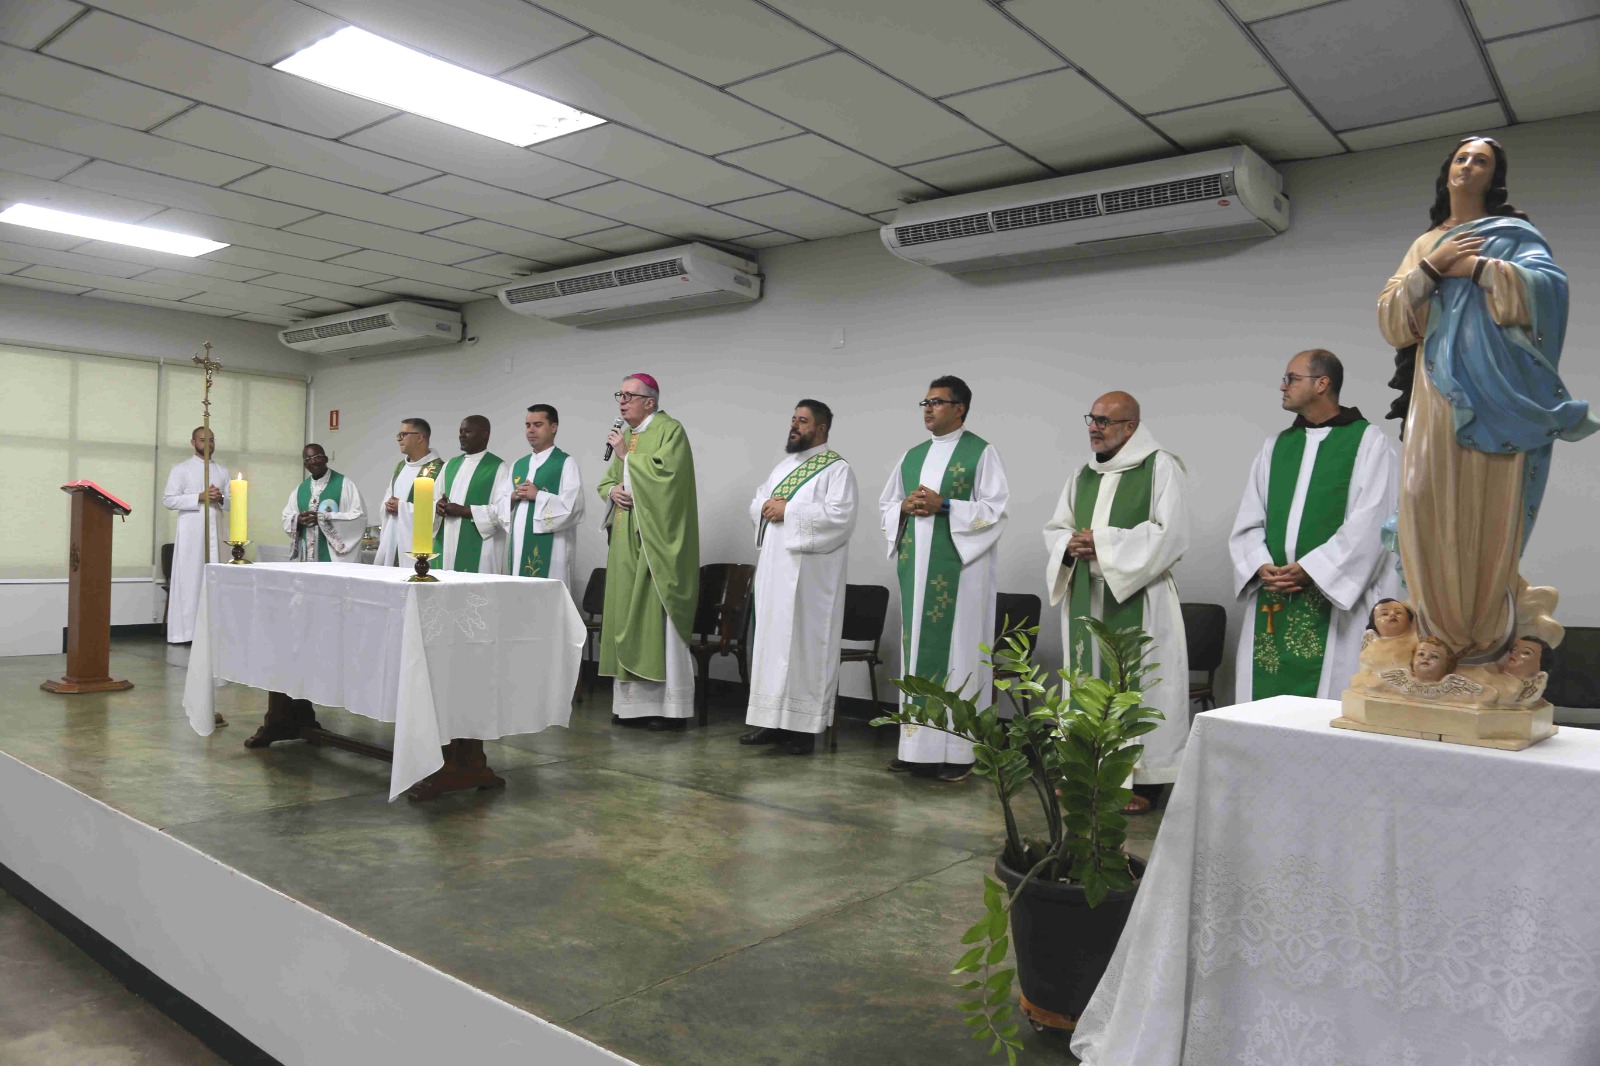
(417, 270)
(199, 224)
(1275, 124)
(189, 195)
(36, 160)
(513, 241)
(1540, 71)
(346, 200)
(770, 239)
(235, 135)
(8, 267)
(427, 290)
(987, 168)
(145, 258)
(473, 155)
(625, 240)
(1251, 10)
(370, 235)
(831, 172)
(43, 80)
(263, 30)
(271, 320)
(654, 164)
(170, 305)
(1063, 120)
(849, 102)
(499, 205)
(1496, 18)
(36, 283)
(626, 202)
(115, 284)
(217, 293)
(327, 290)
(277, 263)
(488, 36)
(21, 188)
(30, 24)
(802, 215)
(125, 49)
(36, 238)
(319, 306)
(1153, 54)
(503, 266)
(606, 79)
(937, 46)
(70, 260)
(104, 140)
(715, 40)
(1464, 121)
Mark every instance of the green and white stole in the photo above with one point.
(944, 562)
(1129, 507)
(535, 558)
(333, 491)
(469, 542)
(797, 477)
(1291, 632)
(429, 469)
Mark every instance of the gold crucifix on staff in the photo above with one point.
(210, 366)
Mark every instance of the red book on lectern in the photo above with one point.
(121, 506)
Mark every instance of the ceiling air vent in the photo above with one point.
(945, 229)
(394, 327)
(521, 294)
(1209, 187)
(650, 283)
(587, 283)
(337, 329)
(1047, 213)
(634, 275)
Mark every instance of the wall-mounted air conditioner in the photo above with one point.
(1223, 195)
(394, 327)
(675, 279)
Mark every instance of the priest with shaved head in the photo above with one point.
(474, 494)
(1120, 527)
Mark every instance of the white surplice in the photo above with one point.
(182, 494)
(558, 513)
(1131, 561)
(1351, 567)
(489, 518)
(975, 526)
(395, 539)
(348, 518)
(799, 597)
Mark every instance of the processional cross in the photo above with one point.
(210, 366)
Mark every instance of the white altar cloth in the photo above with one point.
(471, 656)
(1324, 897)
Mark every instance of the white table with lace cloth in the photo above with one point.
(1324, 897)
(471, 656)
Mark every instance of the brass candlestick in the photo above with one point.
(238, 552)
(422, 566)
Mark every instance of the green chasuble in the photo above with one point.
(939, 594)
(1130, 507)
(653, 562)
(535, 559)
(333, 490)
(1291, 632)
(469, 542)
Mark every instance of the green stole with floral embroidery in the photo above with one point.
(535, 560)
(932, 654)
(797, 477)
(1291, 632)
(469, 542)
(1129, 507)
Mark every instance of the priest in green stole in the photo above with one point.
(943, 511)
(652, 563)
(324, 516)
(418, 460)
(474, 505)
(1308, 555)
(1120, 527)
(546, 502)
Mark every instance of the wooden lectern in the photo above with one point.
(89, 592)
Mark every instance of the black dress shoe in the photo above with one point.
(956, 771)
(665, 725)
(799, 743)
(762, 736)
(629, 723)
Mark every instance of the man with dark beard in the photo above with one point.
(803, 514)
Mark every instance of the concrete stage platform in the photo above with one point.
(671, 899)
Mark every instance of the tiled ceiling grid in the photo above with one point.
(752, 122)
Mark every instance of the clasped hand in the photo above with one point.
(213, 494)
(308, 518)
(1284, 579)
(525, 491)
(445, 509)
(922, 503)
(1081, 545)
(622, 497)
(774, 508)
(391, 505)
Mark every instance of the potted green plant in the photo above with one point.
(1070, 747)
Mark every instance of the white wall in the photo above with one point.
(32, 613)
(1200, 336)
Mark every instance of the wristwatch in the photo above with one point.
(944, 507)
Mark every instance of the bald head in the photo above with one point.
(473, 434)
(1112, 420)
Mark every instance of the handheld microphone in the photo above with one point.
(615, 426)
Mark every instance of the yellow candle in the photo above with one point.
(238, 509)
(422, 515)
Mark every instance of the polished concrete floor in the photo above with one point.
(674, 897)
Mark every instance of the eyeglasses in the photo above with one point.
(400, 437)
(1290, 379)
(1101, 421)
(629, 397)
(937, 403)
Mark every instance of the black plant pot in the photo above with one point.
(1062, 944)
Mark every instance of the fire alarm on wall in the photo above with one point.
(333, 421)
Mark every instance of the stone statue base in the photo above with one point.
(1506, 728)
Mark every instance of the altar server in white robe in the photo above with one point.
(187, 491)
(1308, 554)
(419, 460)
(545, 506)
(943, 511)
(324, 516)
(803, 513)
(1120, 527)
(474, 494)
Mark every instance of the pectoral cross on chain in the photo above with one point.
(1270, 609)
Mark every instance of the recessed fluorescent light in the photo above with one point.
(99, 229)
(357, 62)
